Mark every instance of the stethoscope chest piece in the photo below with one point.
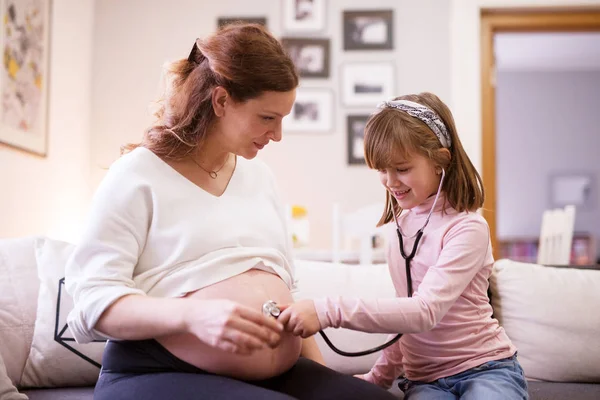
(270, 309)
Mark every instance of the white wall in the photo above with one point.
(133, 39)
(547, 123)
(49, 195)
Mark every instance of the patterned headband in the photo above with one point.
(425, 114)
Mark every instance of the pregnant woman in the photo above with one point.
(186, 240)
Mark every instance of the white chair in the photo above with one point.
(556, 236)
(357, 226)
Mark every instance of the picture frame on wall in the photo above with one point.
(573, 188)
(367, 83)
(310, 55)
(368, 30)
(304, 15)
(222, 21)
(312, 112)
(355, 125)
(24, 73)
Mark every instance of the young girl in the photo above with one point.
(453, 348)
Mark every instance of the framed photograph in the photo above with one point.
(304, 15)
(222, 21)
(355, 124)
(367, 84)
(578, 189)
(312, 112)
(24, 72)
(369, 30)
(311, 56)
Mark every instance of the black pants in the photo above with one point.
(146, 370)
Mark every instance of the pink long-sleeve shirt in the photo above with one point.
(448, 321)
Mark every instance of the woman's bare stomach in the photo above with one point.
(251, 288)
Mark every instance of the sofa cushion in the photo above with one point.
(562, 391)
(550, 314)
(320, 279)
(7, 390)
(55, 359)
(83, 393)
(18, 301)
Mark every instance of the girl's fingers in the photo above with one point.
(284, 318)
(298, 331)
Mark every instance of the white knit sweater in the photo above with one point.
(153, 232)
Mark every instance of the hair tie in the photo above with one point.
(196, 55)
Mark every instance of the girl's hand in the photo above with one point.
(230, 326)
(300, 318)
(369, 378)
(361, 376)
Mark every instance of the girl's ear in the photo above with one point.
(445, 153)
(445, 156)
(442, 160)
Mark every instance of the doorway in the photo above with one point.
(497, 22)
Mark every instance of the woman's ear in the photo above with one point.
(219, 99)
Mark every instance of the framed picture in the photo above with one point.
(368, 83)
(368, 30)
(311, 56)
(222, 21)
(304, 15)
(312, 112)
(577, 189)
(355, 124)
(24, 72)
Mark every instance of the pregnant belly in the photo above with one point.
(252, 289)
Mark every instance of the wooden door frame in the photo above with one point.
(520, 20)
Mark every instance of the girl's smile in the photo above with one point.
(411, 181)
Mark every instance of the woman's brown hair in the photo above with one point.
(390, 131)
(244, 59)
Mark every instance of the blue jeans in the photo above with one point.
(495, 380)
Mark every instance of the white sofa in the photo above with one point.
(550, 314)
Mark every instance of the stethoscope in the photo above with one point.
(271, 309)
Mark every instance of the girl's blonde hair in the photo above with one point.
(390, 132)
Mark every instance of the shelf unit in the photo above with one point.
(525, 249)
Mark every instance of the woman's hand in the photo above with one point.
(230, 326)
(300, 318)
